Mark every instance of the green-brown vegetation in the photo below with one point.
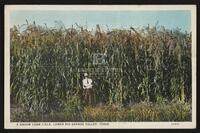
(152, 65)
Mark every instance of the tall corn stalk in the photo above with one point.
(151, 63)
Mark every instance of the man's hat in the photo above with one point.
(85, 74)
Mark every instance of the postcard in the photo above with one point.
(100, 67)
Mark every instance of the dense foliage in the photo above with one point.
(152, 64)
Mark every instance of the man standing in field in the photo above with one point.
(87, 89)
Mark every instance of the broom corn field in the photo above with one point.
(146, 75)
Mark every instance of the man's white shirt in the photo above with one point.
(87, 83)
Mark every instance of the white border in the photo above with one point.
(112, 125)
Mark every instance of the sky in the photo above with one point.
(111, 19)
